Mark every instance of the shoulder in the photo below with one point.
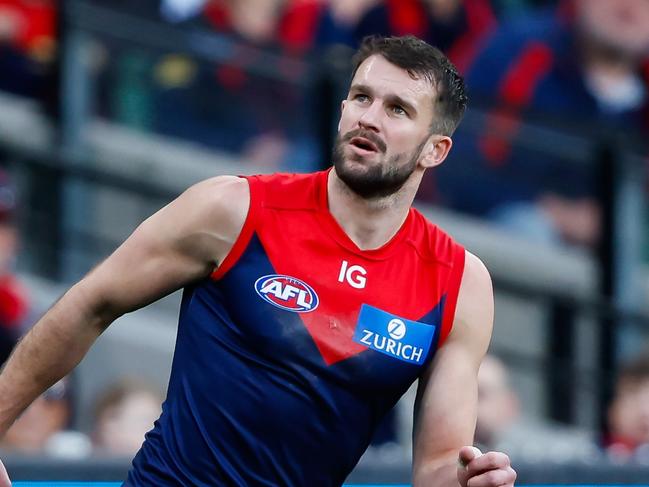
(287, 190)
(213, 202)
(217, 190)
(220, 195)
(476, 289)
(433, 242)
(475, 306)
(206, 218)
(476, 276)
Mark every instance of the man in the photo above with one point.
(311, 303)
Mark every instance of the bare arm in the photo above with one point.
(181, 243)
(446, 406)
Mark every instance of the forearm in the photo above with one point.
(438, 474)
(54, 346)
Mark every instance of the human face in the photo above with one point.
(121, 428)
(497, 403)
(629, 413)
(622, 25)
(383, 128)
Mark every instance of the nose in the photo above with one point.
(370, 118)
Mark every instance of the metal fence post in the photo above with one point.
(75, 99)
(561, 376)
(621, 187)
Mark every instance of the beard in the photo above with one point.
(380, 179)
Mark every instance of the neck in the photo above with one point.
(370, 223)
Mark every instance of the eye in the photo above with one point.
(361, 98)
(399, 110)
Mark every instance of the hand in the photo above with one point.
(4, 477)
(489, 470)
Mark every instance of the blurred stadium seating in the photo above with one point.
(143, 111)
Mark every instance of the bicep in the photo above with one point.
(181, 243)
(446, 406)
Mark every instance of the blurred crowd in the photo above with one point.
(578, 66)
(123, 412)
(504, 425)
(122, 415)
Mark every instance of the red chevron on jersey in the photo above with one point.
(407, 277)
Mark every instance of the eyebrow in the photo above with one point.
(391, 98)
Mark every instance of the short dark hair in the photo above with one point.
(421, 59)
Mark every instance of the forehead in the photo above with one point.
(388, 79)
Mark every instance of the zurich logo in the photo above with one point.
(287, 293)
(400, 338)
(397, 329)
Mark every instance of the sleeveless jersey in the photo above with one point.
(290, 354)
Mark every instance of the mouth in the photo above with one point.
(363, 144)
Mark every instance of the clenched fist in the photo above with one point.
(489, 470)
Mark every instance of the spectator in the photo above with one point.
(628, 413)
(501, 424)
(232, 106)
(581, 66)
(13, 297)
(339, 21)
(27, 47)
(498, 404)
(44, 427)
(124, 413)
(455, 26)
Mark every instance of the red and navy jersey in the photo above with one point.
(290, 354)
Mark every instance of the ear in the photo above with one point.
(435, 151)
(343, 104)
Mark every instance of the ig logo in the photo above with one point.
(354, 275)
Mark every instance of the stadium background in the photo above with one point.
(110, 109)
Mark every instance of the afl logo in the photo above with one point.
(286, 292)
(397, 329)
